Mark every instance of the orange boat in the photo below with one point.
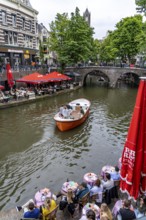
(73, 114)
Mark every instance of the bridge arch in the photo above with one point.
(113, 74)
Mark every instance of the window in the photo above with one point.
(28, 42)
(13, 20)
(11, 38)
(4, 17)
(23, 23)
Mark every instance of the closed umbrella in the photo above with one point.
(133, 169)
(9, 75)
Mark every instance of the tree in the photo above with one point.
(141, 6)
(72, 39)
(126, 38)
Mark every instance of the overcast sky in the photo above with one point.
(104, 13)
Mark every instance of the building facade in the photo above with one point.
(45, 55)
(19, 42)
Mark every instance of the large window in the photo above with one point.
(11, 38)
(28, 41)
(13, 20)
(30, 25)
(4, 17)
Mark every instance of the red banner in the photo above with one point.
(133, 170)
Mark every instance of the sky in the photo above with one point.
(104, 13)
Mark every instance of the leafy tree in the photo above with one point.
(126, 38)
(71, 38)
(141, 6)
(108, 51)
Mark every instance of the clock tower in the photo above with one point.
(87, 16)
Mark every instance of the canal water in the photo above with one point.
(35, 154)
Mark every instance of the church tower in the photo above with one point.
(87, 16)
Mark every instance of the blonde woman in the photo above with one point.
(48, 206)
(105, 213)
(68, 201)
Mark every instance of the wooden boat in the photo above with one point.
(78, 113)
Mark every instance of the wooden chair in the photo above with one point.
(52, 215)
(84, 200)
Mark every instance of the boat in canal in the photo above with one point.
(73, 114)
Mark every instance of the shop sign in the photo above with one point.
(15, 51)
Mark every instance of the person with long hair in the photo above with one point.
(105, 213)
(48, 206)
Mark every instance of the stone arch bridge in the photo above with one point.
(112, 74)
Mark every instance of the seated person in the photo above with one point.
(108, 183)
(140, 210)
(48, 206)
(65, 112)
(82, 191)
(125, 212)
(116, 174)
(97, 188)
(90, 215)
(69, 202)
(30, 211)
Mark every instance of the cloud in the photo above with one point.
(104, 13)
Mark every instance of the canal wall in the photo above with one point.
(37, 98)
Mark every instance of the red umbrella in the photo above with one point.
(1, 87)
(34, 78)
(9, 75)
(56, 76)
(133, 170)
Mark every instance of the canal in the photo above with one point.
(35, 154)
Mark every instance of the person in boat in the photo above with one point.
(65, 112)
(82, 111)
(61, 111)
(48, 206)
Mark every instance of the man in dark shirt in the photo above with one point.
(126, 213)
(32, 212)
(82, 191)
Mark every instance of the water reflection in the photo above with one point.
(35, 154)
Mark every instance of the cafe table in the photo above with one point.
(90, 178)
(69, 185)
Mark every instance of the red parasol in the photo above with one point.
(34, 78)
(1, 87)
(56, 76)
(9, 75)
(133, 170)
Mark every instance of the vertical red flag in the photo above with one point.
(9, 75)
(133, 170)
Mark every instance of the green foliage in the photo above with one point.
(141, 6)
(72, 39)
(126, 38)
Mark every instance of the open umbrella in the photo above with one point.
(9, 75)
(1, 87)
(34, 78)
(133, 169)
(56, 76)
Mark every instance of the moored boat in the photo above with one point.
(76, 112)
